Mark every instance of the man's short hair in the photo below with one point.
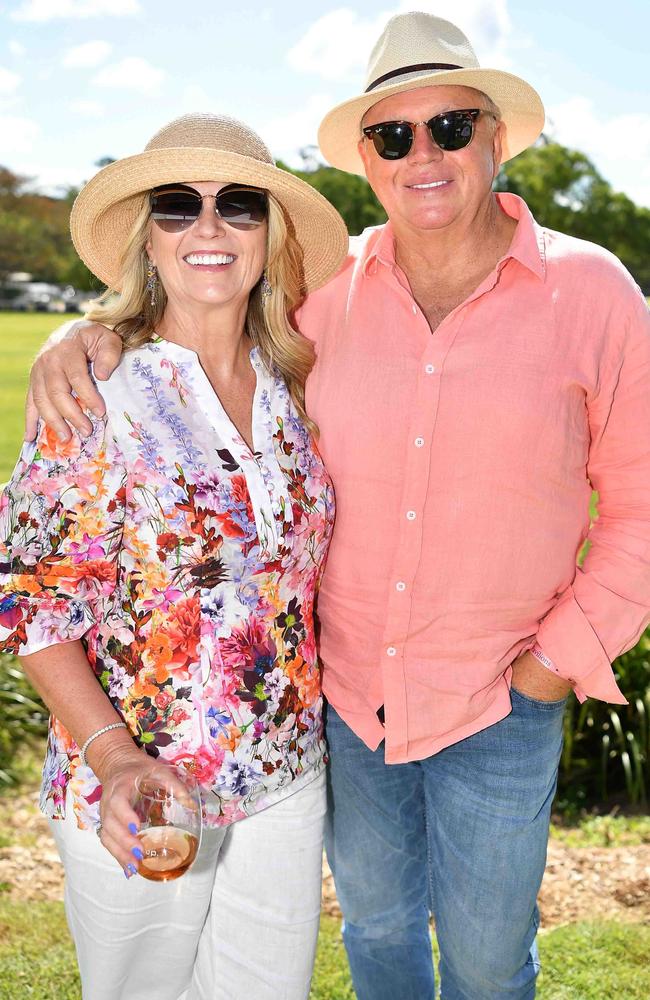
(490, 106)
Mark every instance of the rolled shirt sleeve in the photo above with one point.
(61, 519)
(607, 607)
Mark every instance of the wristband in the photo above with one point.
(93, 736)
(545, 660)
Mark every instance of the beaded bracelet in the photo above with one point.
(93, 736)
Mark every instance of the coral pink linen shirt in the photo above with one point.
(463, 464)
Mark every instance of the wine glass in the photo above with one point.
(168, 804)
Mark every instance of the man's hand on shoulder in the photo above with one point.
(61, 368)
(529, 677)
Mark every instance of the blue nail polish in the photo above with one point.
(130, 870)
(137, 852)
(132, 828)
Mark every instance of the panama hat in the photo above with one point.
(419, 50)
(201, 147)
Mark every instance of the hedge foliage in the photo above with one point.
(606, 757)
(23, 718)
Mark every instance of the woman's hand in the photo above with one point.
(119, 821)
(118, 771)
(60, 368)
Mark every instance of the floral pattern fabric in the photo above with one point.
(187, 565)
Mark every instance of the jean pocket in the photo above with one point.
(538, 703)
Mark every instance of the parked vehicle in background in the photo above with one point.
(80, 302)
(18, 295)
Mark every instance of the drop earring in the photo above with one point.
(266, 289)
(152, 282)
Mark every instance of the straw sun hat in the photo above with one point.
(420, 50)
(201, 147)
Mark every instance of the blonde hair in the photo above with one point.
(268, 325)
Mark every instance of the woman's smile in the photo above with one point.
(209, 260)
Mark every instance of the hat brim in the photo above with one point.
(521, 109)
(107, 207)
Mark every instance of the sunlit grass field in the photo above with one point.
(21, 335)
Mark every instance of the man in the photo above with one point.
(477, 375)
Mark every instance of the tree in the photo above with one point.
(350, 194)
(35, 235)
(11, 184)
(564, 191)
(18, 234)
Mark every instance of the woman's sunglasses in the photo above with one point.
(450, 131)
(175, 207)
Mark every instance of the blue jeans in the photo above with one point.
(461, 835)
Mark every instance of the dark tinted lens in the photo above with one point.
(174, 211)
(452, 130)
(242, 208)
(392, 140)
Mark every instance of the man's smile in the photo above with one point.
(429, 185)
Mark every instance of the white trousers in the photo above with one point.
(242, 923)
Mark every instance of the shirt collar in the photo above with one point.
(380, 249)
(527, 247)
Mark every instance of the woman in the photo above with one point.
(159, 576)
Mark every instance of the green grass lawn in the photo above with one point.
(580, 961)
(21, 335)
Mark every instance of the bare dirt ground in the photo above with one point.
(581, 883)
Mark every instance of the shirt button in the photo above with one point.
(411, 515)
(400, 585)
(430, 369)
(418, 442)
(391, 651)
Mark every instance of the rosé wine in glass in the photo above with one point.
(168, 804)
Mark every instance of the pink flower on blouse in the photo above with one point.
(90, 548)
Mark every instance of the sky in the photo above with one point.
(85, 79)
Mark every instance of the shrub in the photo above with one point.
(606, 757)
(23, 717)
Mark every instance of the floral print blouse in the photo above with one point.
(187, 565)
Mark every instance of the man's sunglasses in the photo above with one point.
(175, 207)
(450, 131)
